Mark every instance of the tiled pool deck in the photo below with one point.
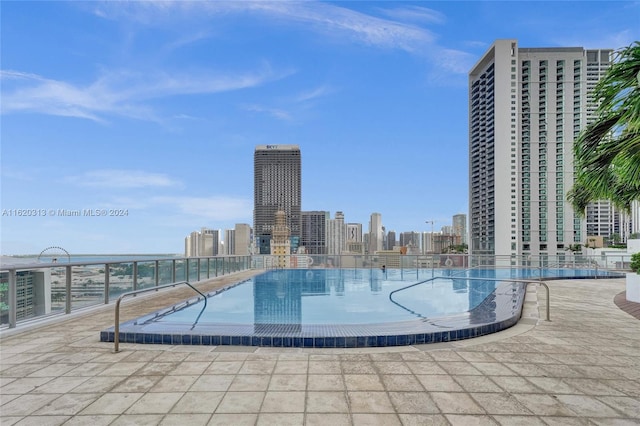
(582, 368)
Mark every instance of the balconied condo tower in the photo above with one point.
(526, 107)
(277, 186)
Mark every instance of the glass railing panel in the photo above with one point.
(120, 279)
(87, 285)
(146, 275)
(57, 289)
(165, 272)
(181, 270)
(204, 268)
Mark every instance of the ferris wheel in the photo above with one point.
(54, 254)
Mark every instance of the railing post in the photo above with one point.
(135, 275)
(106, 283)
(67, 302)
(157, 274)
(12, 297)
(173, 271)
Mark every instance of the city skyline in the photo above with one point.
(149, 112)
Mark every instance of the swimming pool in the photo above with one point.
(342, 308)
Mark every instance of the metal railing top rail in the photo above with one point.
(116, 328)
(512, 280)
(41, 265)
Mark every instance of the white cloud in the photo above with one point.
(280, 114)
(118, 93)
(114, 178)
(214, 208)
(416, 14)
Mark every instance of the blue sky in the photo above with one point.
(155, 108)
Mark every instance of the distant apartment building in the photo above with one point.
(229, 241)
(526, 107)
(412, 241)
(203, 243)
(355, 243)
(314, 231)
(376, 233)
(277, 187)
(336, 234)
(391, 240)
(242, 240)
(460, 227)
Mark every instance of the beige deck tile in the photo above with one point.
(363, 382)
(283, 402)
(241, 402)
(185, 419)
(123, 368)
(327, 382)
(174, 383)
(112, 403)
(257, 367)
(189, 367)
(98, 384)
(288, 382)
(500, 403)
(587, 406)
(291, 367)
(357, 367)
(391, 367)
(439, 383)
(68, 405)
(425, 367)
(248, 382)
(423, 420)
(27, 404)
(198, 402)
(223, 367)
(137, 384)
(155, 368)
(519, 421)
(456, 403)
(23, 385)
(313, 419)
(515, 384)
(212, 383)
(42, 421)
(88, 369)
(467, 420)
(376, 420)
(370, 402)
(327, 402)
(461, 368)
(137, 420)
(413, 402)
(155, 403)
(628, 406)
(324, 367)
(477, 384)
(403, 383)
(233, 419)
(99, 420)
(280, 419)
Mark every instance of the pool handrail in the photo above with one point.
(116, 328)
(539, 282)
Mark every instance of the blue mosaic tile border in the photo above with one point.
(499, 311)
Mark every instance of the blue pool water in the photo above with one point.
(344, 308)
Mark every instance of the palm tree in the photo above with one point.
(607, 152)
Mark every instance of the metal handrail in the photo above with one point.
(540, 282)
(116, 328)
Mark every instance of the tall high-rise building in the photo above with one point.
(376, 234)
(336, 234)
(526, 107)
(459, 223)
(242, 240)
(391, 240)
(314, 232)
(277, 187)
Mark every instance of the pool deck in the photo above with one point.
(581, 368)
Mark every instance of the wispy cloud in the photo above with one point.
(114, 178)
(313, 94)
(417, 14)
(214, 208)
(120, 93)
(280, 114)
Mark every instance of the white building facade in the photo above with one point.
(526, 107)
